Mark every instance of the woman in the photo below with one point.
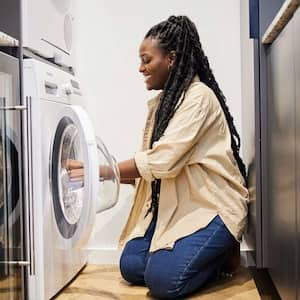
(190, 205)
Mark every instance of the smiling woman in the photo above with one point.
(190, 206)
(155, 65)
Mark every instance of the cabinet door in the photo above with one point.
(282, 163)
(12, 252)
(297, 100)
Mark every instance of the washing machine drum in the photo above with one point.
(9, 186)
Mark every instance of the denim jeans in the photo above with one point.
(175, 273)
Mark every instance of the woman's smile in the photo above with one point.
(154, 64)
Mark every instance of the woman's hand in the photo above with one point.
(76, 174)
(71, 164)
(74, 168)
(128, 171)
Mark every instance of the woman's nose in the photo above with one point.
(142, 68)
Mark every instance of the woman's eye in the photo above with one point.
(146, 61)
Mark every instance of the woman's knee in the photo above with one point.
(132, 268)
(161, 283)
(165, 282)
(163, 287)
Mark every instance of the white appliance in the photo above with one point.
(62, 212)
(47, 28)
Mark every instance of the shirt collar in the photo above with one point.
(154, 101)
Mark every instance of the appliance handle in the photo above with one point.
(3, 110)
(28, 185)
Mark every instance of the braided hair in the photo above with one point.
(179, 34)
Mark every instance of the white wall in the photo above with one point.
(108, 34)
(247, 80)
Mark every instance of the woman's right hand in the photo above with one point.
(76, 171)
(74, 168)
(71, 164)
(76, 174)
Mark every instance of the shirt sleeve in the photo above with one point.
(171, 152)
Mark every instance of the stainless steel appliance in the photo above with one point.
(277, 80)
(12, 255)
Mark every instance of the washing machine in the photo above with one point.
(61, 210)
(47, 29)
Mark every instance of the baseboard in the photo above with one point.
(112, 256)
(103, 256)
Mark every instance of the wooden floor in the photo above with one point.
(105, 282)
(11, 287)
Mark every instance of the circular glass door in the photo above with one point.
(74, 198)
(67, 193)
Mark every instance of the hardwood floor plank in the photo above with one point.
(105, 282)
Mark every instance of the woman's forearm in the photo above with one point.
(128, 181)
(128, 170)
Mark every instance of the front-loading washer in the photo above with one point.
(61, 211)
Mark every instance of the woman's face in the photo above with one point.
(155, 65)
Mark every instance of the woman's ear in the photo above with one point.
(172, 57)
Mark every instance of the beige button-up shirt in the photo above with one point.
(200, 178)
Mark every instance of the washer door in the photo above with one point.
(108, 188)
(74, 200)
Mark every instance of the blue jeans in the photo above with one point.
(174, 273)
